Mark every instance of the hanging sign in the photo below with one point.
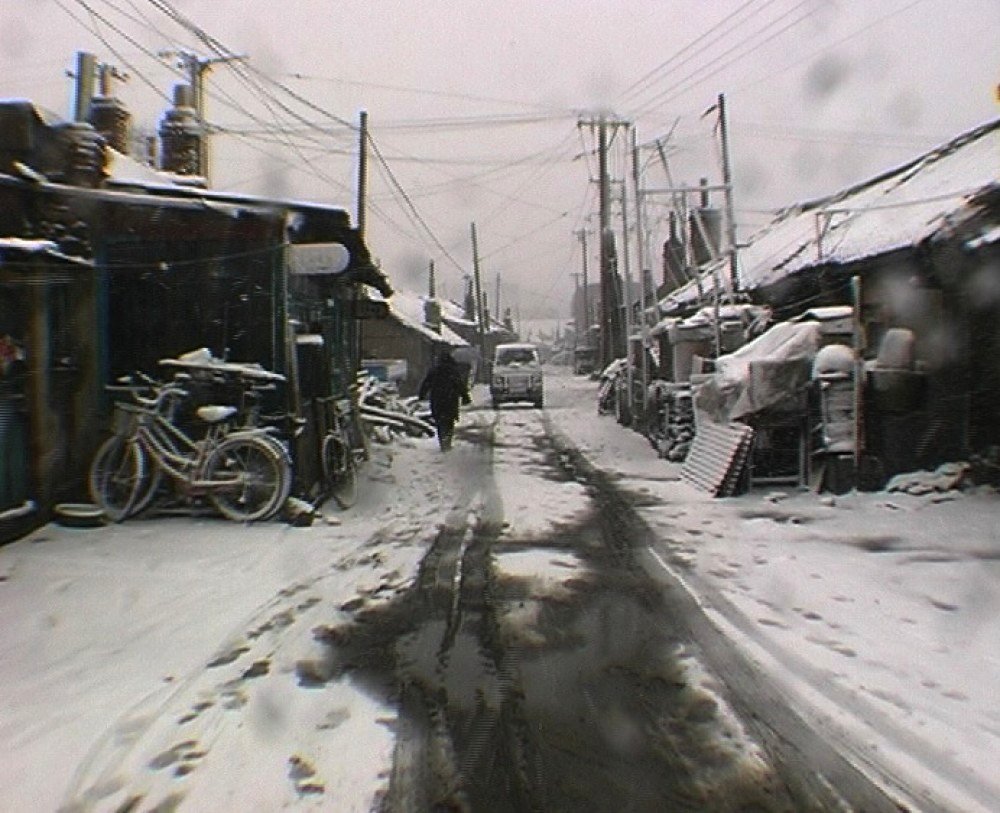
(313, 259)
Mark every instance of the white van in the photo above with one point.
(516, 375)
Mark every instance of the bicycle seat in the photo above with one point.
(214, 414)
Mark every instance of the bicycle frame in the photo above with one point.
(180, 456)
(245, 473)
(176, 453)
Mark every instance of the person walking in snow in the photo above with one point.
(447, 384)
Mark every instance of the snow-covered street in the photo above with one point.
(877, 613)
(186, 663)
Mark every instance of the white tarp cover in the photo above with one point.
(762, 374)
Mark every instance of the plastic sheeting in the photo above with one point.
(766, 374)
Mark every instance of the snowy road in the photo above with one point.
(580, 692)
(486, 630)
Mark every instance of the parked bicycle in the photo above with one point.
(343, 450)
(244, 472)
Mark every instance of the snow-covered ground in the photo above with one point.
(139, 656)
(879, 613)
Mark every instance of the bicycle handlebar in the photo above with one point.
(161, 392)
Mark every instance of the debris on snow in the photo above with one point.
(946, 477)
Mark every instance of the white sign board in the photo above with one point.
(317, 258)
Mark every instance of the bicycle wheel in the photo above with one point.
(148, 486)
(340, 471)
(115, 477)
(252, 479)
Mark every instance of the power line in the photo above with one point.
(749, 129)
(742, 49)
(719, 27)
(846, 38)
(410, 205)
(423, 91)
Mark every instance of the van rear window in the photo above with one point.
(516, 355)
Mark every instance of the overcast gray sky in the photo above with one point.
(475, 108)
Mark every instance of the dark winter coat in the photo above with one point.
(446, 383)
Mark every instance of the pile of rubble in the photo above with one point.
(385, 414)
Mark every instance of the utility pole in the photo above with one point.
(196, 67)
(584, 329)
(727, 181)
(362, 171)
(640, 238)
(612, 340)
(629, 371)
(607, 284)
(497, 305)
(576, 308)
(480, 320)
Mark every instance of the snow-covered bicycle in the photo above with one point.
(244, 472)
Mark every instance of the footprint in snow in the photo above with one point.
(184, 757)
(302, 774)
(228, 657)
(834, 646)
(196, 711)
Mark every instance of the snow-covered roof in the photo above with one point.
(47, 247)
(408, 308)
(127, 175)
(899, 208)
(27, 246)
(454, 312)
(706, 316)
(125, 170)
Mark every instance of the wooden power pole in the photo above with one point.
(362, 171)
(583, 330)
(480, 311)
(727, 183)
